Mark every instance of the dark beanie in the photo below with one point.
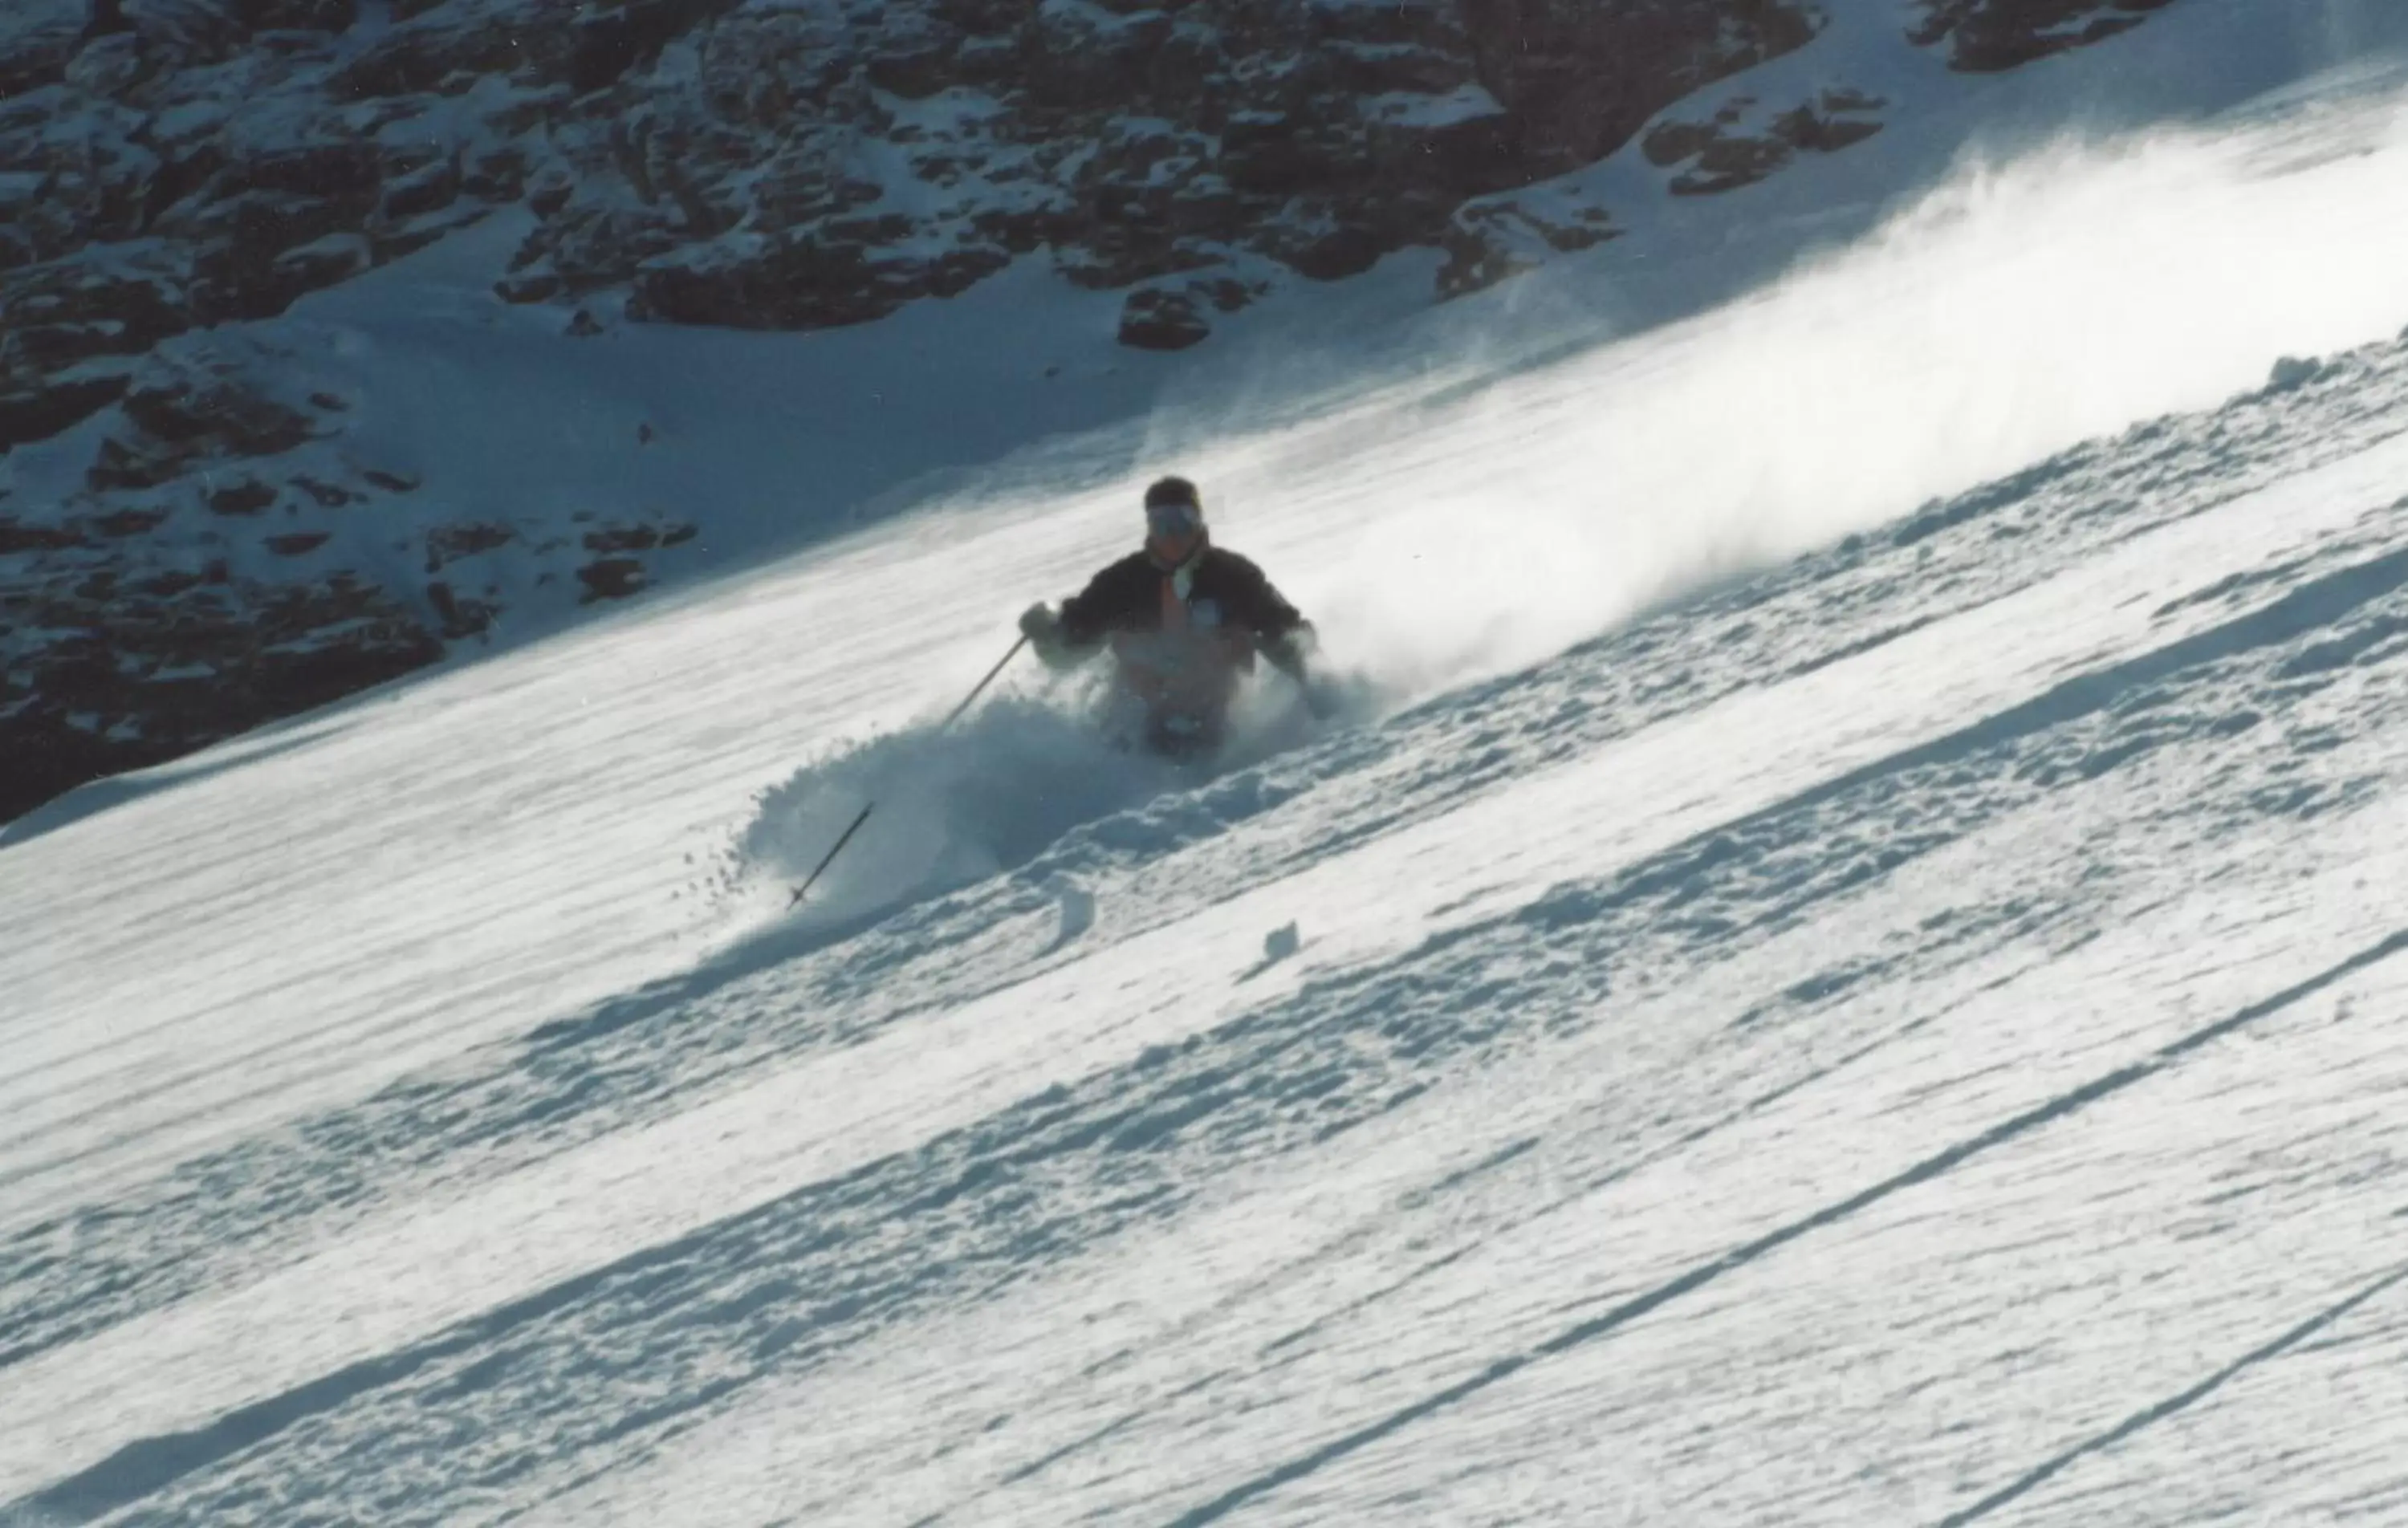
(1172, 491)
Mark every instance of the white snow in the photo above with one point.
(1842, 965)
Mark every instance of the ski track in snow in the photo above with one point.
(649, 1053)
(1910, 1036)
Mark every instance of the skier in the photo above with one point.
(1183, 619)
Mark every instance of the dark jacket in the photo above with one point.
(1185, 671)
(1225, 591)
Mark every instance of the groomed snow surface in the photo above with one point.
(1813, 982)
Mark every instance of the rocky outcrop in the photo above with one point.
(1496, 237)
(149, 662)
(144, 619)
(1984, 37)
(1172, 315)
(1739, 145)
(231, 557)
(1581, 78)
(188, 165)
(794, 166)
(815, 164)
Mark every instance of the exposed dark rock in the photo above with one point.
(1133, 142)
(108, 314)
(309, 670)
(459, 616)
(1152, 319)
(296, 15)
(49, 755)
(610, 577)
(297, 542)
(805, 283)
(1331, 248)
(182, 413)
(498, 176)
(540, 287)
(429, 188)
(248, 497)
(264, 249)
(222, 415)
(393, 234)
(1170, 315)
(341, 171)
(911, 56)
(128, 521)
(118, 466)
(425, 51)
(609, 41)
(1984, 37)
(322, 262)
(113, 65)
(1581, 78)
(1720, 154)
(1501, 236)
(34, 58)
(18, 537)
(1472, 147)
(54, 408)
(167, 585)
(2291, 373)
(325, 496)
(450, 543)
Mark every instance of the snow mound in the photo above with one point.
(952, 805)
(947, 807)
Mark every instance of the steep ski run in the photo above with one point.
(1906, 1036)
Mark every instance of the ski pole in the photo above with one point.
(978, 689)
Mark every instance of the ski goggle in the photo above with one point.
(1173, 519)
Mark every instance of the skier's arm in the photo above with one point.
(1099, 610)
(1288, 650)
(1089, 615)
(1282, 637)
(1063, 636)
(1279, 631)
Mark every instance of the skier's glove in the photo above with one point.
(1291, 652)
(1288, 651)
(1043, 629)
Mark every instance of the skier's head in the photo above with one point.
(1174, 521)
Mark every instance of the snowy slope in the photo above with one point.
(1845, 969)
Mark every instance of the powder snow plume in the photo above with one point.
(2025, 305)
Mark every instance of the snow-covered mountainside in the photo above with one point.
(221, 505)
(1844, 967)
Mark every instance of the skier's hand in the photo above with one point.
(1288, 652)
(1042, 626)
